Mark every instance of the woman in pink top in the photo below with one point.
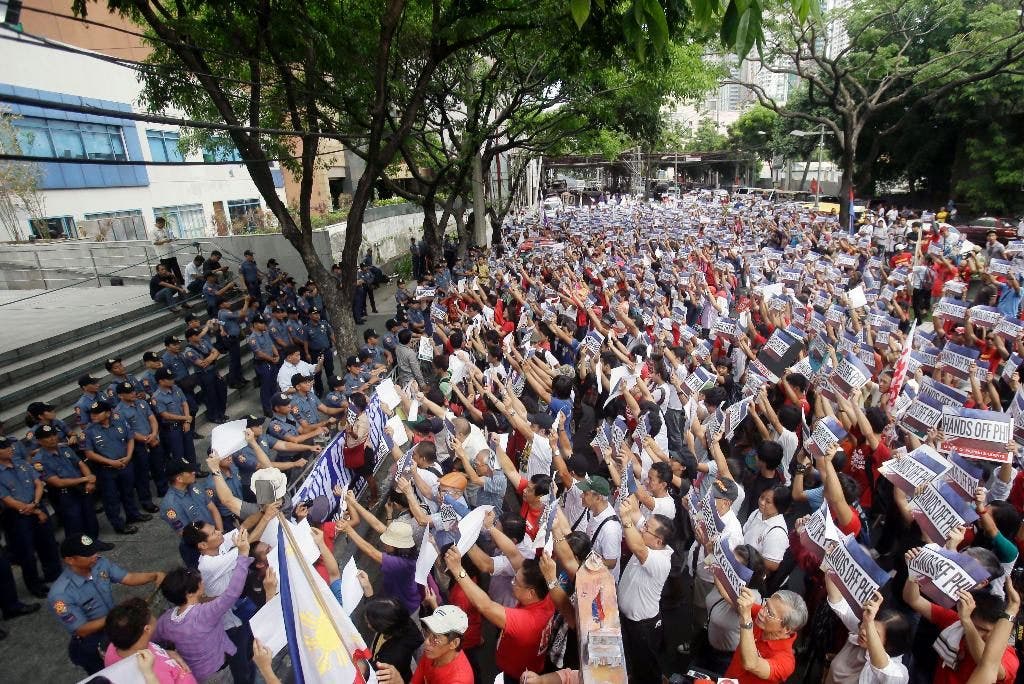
(130, 626)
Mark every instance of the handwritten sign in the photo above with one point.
(938, 510)
(978, 434)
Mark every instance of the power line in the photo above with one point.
(141, 162)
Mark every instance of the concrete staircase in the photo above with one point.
(48, 370)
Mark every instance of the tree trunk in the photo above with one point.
(463, 230)
(430, 233)
(803, 176)
(479, 203)
(845, 188)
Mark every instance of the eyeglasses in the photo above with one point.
(768, 612)
(438, 639)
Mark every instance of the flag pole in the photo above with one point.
(308, 574)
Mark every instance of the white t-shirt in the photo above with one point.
(770, 537)
(663, 505)
(539, 462)
(852, 665)
(431, 479)
(608, 544)
(733, 534)
(163, 250)
(789, 443)
(284, 376)
(217, 571)
(641, 584)
(193, 272)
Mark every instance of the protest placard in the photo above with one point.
(780, 352)
(942, 574)
(1010, 329)
(733, 574)
(925, 360)
(851, 374)
(950, 309)
(725, 329)
(944, 394)
(827, 433)
(978, 434)
(736, 414)
(963, 476)
(956, 360)
(695, 383)
(854, 572)
(1010, 366)
(938, 510)
(987, 317)
(923, 413)
(818, 530)
(919, 467)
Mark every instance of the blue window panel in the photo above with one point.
(111, 178)
(74, 175)
(278, 177)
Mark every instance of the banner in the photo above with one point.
(963, 476)
(922, 415)
(827, 432)
(818, 530)
(956, 360)
(944, 394)
(730, 572)
(780, 352)
(855, 574)
(919, 467)
(942, 574)
(978, 434)
(327, 471)
(939, 509)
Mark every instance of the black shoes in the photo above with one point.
(21, 609)
(127, 529)
(144, 517)
(40, 591)
(150, 508)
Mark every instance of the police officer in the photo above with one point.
(284, 428)
(147, 383)
(109, 444)
(172, 408)
(203, 358)
(26, 525)
(212, 294)
(297, 331)
(90, 388)
(116, 368)
(40, 413)
(278, 327)
(275, 278)
(173, 359)
(256, 454)
(336, 401)
(357, 379)
(379, 356)
(390, 340)
(231, 334)
(251, 276)
(265, 359)
(71, 485)
(322, 342)
(306, 405)
(81, 598)
(148, 458)
(186, 502)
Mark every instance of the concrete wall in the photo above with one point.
(24, 266)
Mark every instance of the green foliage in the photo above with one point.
(403, 269)
(705, 138)
(390, 201)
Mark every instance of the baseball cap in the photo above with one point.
(179, 466)
(365, 353)
(193, 332)
(38, 407)
(335, 381)
(163, 374)
(87, 380)
(426, 424)
(259, 319)
(171, 339)
(447, 619)
(5, 443)
(44, 431)
(110, 362)
(542, 420)
(314, 310)
(370, 332)
(125, 387)
(272, 261)
(252, 420)
(299, 377)
(352, 361)
(391, 323)
(292, 309)
(80, 546)
(280, 400)
(596, 484)
(99, 407)
(150, 356)
(319, 509)
(277, 309)
(724, 488)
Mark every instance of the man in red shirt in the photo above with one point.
(443, 661)
(767, 634)
(524, 639)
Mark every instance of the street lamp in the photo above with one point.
(821, 133)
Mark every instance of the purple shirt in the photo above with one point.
(198, 633)
(398, 579)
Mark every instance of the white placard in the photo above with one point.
(228, 438)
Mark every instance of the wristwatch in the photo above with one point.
(801, 469)
(462, 573)
(627, 525)
(747, 625)
(554, 583)
(1004, 615)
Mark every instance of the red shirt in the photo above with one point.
(778, 653)
(473, 636)
(530, 515)
(857, 464)
(459, 671)
(943, 274)
(329, 534)
(942, 618)
(523, 643)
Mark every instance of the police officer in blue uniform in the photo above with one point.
(251, 276)
(116, 368)
(173, 359)
(278, 327)
(256, 454)
(175, 416)
(390, 340)
(187, 502)
(147, 383)
(26, 525)
(357, 379)
(109, 444)
(321, 342)
(148, 458)
(266, 357)
(71, 484)
(231, 334)
(40, 413)
(81, 598)
(297, 331)
(90, 388)
(203, 358)
(308, 410)
(378, 355)
(284, 428)
(213, 294)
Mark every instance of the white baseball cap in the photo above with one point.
(447, 619)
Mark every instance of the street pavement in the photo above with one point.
(36, 650)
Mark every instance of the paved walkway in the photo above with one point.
(28, 316)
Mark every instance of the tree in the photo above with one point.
(900, 56)
(705, 137)
(350, 70)
(19, 181)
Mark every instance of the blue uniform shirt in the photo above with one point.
(415, 317)
(110, 394)
(18, 480)
(250, 273)
(390, 342)
(297, 330)
(136, 414)
(179, 508)
(354, 381)
(376, 355)
(176, 364)
(319, 335)
(279, 428)
(76, 600)
(263, 342)
(210, 294)
(170, 401)
(308, 406)
(61, 463)
(335, 400)
(245, 460)
(110, 441)
(147, 381)
(82, 408)
(194, 354)
(230, 321)
(279, 333)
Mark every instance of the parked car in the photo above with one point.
(977, 230)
